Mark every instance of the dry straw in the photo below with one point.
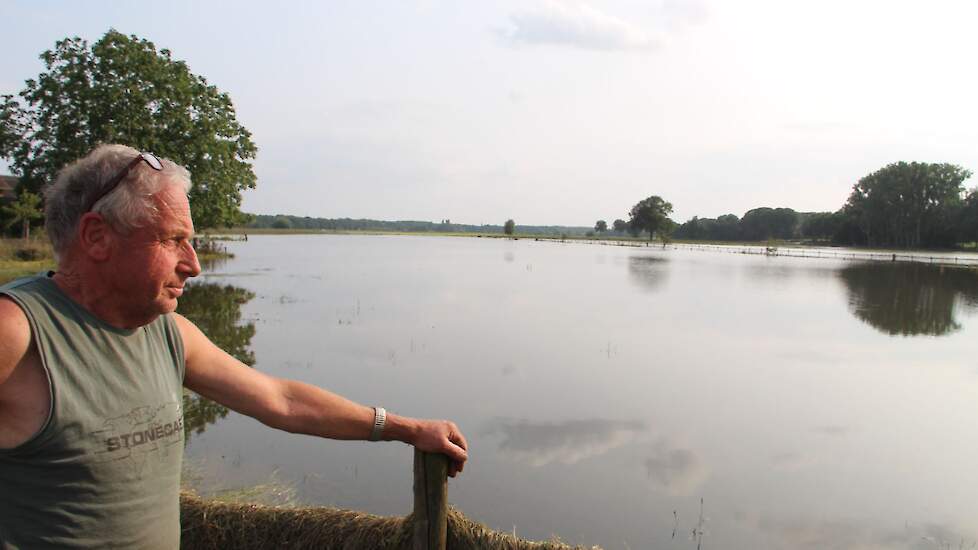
(209, 524)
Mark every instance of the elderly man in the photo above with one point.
(93, 357)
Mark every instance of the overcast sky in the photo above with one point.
(558, 112)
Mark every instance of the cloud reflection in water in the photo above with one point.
(542, 443)
(676, 471)
(672, 469)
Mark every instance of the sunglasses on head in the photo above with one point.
(150, 159)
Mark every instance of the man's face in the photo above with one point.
(151, 264)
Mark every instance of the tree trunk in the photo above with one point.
(27, 231)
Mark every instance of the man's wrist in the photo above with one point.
(400, 428)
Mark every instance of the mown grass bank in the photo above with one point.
(19, 258)
(214, 524)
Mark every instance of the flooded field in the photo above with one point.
(626, 397)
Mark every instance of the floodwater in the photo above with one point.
(625, 397)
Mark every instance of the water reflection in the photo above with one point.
(675, 470)
(212, 263)
(846, 534)
(648, 272)
(567, 442)
(909, 299)
(216, 309)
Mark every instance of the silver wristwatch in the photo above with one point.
(380, 420)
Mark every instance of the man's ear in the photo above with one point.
(95, 236)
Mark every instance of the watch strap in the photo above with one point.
(380, 420)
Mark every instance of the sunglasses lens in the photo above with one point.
(151, 160)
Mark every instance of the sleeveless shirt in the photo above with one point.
(104, 469)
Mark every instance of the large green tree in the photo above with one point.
(122, 90)
(908, 204)
(651, 214)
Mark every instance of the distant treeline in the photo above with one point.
(281, 221)
(906, 205)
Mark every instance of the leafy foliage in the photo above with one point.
(509, 227)
(651, 214)
(820, 225)
(724, 228)
(24, 210)
(122, 90)
(908, 204)
(968, 220)
(768, 223)
(601, 226)
(10, 125)
(911, 205)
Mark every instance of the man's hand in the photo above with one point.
(442, 436)
(430, 436)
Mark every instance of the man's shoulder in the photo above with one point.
(15, 336)
(12, 317)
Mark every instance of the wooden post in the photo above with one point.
(430, 501)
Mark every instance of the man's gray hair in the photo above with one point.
(127, 207)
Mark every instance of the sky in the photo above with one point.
(557, 112)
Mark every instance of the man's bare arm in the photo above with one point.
(24, 395)
(303, 408)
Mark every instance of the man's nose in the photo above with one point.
(189, 265)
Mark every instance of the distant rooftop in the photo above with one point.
(8, 186)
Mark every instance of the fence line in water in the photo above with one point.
(964, 261)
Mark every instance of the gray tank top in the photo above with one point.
(104, 470)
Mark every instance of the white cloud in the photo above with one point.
(679, 13)
(578, 25)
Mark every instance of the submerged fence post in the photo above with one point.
(430, 501)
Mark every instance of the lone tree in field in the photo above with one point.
(601, 226)
(122, 90)
(23, 211)
(509, 227)
(651, 214)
